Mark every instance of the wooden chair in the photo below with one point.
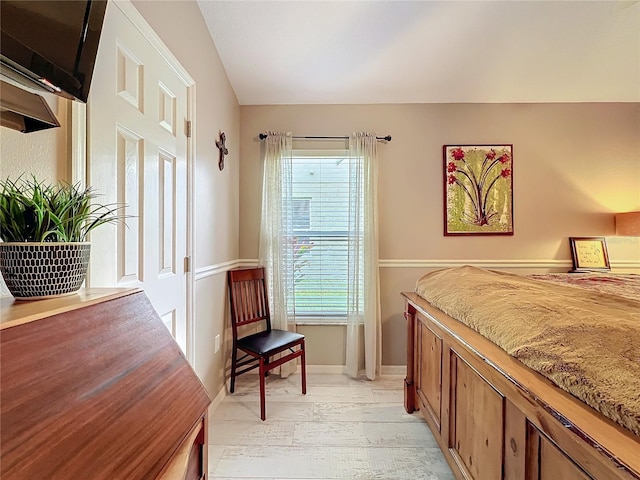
(249, 305)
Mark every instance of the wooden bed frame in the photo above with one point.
(495, 418)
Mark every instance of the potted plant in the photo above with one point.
(43, 233)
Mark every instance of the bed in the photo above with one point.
(527, 377)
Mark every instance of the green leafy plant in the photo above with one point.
(33, 211)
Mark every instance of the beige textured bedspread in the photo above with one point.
(586, 342)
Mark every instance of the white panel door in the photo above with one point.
(137, 114)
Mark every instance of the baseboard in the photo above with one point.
(329, 369)
(342, 369)
(218, 400)
(384, 370)
(393, 370)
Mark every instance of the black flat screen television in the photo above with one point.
(51, 44)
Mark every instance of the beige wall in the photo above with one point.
(181, 27)
(43, 154)
(574, 166)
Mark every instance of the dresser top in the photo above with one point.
(16, 312)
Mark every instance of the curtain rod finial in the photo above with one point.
(263, 136)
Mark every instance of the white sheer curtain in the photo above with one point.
(363, 309)
(276, 233)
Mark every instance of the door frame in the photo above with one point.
(80, 146)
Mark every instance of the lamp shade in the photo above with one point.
(628, 224)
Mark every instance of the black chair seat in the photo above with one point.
(264, 342)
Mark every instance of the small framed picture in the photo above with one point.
(589, 253)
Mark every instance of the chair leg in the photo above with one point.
(303, 365)
(232, 383)
(263, 410)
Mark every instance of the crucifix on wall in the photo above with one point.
(223, 150)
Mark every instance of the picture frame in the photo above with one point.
(589, 254)
(478, 189)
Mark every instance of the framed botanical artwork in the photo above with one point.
(589, 253)
(478, 189)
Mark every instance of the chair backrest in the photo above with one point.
(248, 298)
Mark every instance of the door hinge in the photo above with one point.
(187, 264)
(188, 128)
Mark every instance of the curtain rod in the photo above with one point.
(264, 135)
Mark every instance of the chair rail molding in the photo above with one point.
(215, 269)
(443, 263)
(485, 263)
(494, 263)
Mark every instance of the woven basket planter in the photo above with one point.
(33, 271)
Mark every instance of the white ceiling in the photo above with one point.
(386, 51)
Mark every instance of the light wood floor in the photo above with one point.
(342, 429)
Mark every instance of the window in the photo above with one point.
(320, 191)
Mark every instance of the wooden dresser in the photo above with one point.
(93, 385)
